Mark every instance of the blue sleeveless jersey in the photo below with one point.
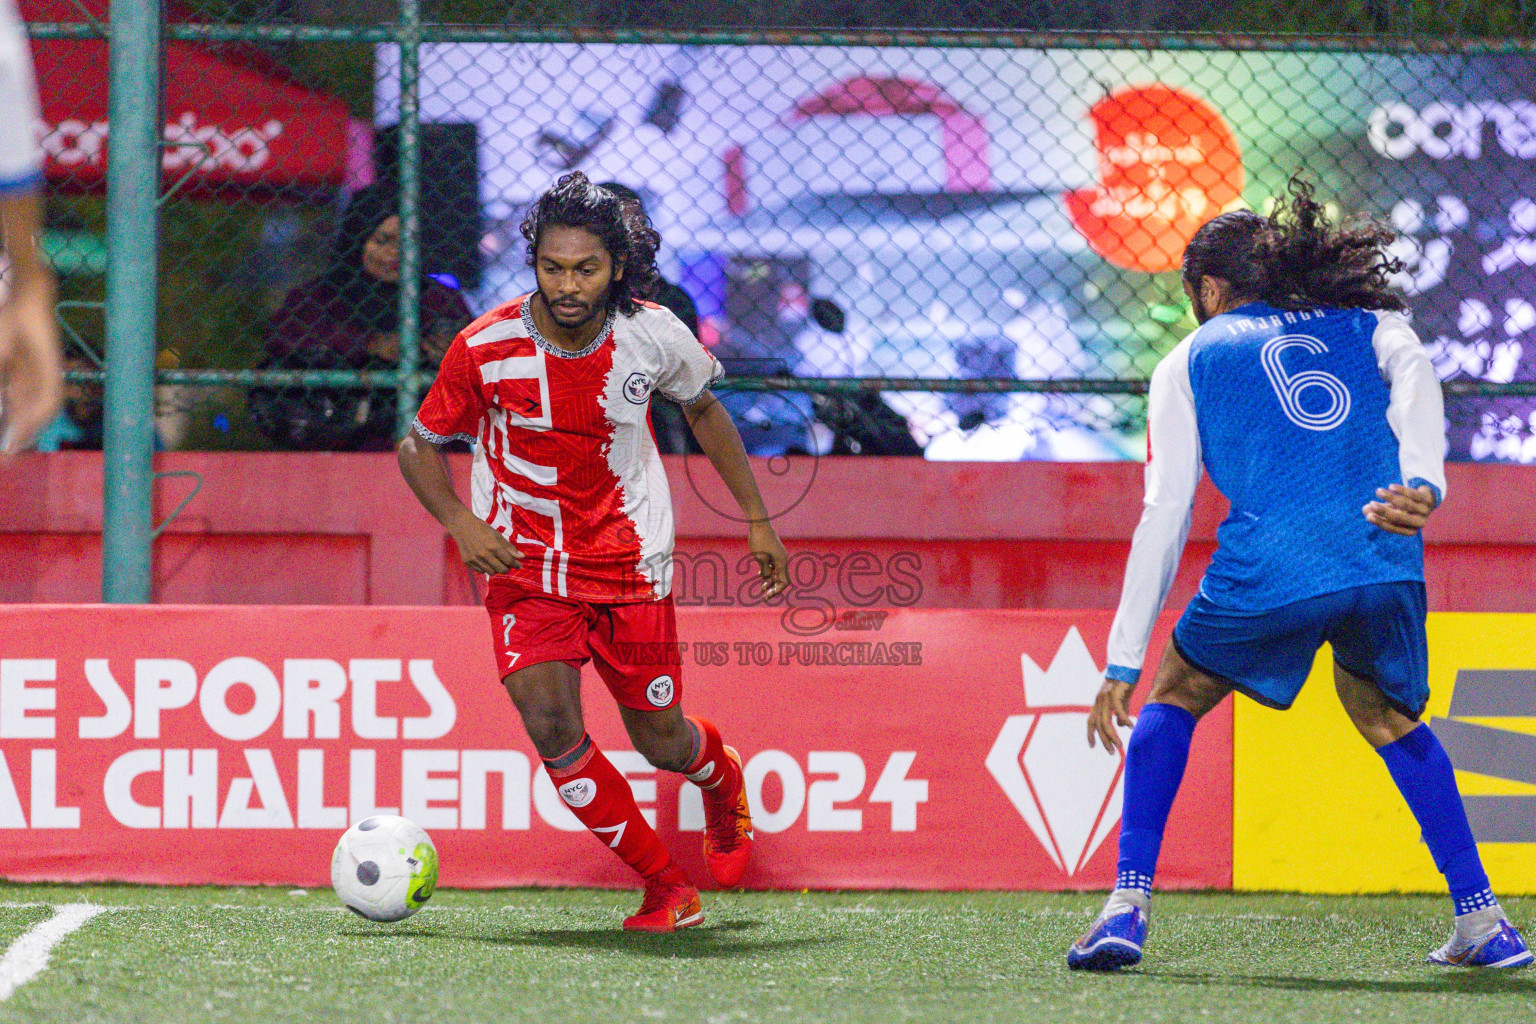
(1292, 415)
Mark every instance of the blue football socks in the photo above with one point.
(1154, 767)
(1424, 775)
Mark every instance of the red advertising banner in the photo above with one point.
(906, 748)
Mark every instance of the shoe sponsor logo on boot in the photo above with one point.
(578, 792)
(659, 692)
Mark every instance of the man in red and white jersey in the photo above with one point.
(572, 521)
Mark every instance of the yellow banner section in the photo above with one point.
(1314, 809)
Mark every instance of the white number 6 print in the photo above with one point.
(1289, 387)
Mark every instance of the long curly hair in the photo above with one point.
(619, 223)
(1297, 258)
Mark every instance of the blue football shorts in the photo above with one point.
(1376, 631)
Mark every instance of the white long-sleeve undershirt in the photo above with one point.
(1416, 412)
(1172, 473)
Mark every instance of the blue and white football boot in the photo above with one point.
(1113, 942)
(1502, 948)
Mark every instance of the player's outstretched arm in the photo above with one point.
(717, 435)
(480, 546)
(1172, 473)
(30, 372)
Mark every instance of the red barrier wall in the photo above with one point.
(343, 529)
(925, 749)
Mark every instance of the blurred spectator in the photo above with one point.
(770, 424)
(863, 423)
(79, 423)
(670, 295)
(667, 421)
(349, 319)
(773, 422)
(78, 426)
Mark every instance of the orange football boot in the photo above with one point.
(671, 902)
(728, 831)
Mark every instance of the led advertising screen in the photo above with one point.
(1011, 213)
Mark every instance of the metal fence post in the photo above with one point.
(133, 183)
(410, 223)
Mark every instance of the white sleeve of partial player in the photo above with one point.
(1173, 470)
(20, 157)
(1416, 412)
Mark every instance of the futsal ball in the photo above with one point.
(384, 868)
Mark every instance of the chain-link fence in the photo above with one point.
(959, 239)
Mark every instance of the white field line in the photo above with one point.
(28, 955)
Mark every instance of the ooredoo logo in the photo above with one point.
(659, 692)
(1168, 162)
(1067, 792)
(578, 792)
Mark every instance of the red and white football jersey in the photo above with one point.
(565, 464)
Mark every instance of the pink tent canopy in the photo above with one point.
(229, 120)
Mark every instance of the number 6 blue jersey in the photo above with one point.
(1292, 411)
(1298, 417)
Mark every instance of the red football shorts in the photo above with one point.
(633, 645)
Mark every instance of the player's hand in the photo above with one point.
(482, 547)
(772, 560)
(1110, 708)
(1401, 510)
(31, 380)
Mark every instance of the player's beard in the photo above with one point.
(587, 315)
(1201, 313)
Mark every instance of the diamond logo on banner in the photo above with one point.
(1067, 792)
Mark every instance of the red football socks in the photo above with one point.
(715, 773)
(601, 798)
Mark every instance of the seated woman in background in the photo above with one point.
(349, 319)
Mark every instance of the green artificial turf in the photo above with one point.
(558, 957)
(17, 917)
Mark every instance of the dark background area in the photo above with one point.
(1391, 17)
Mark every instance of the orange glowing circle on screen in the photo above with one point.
(1168, 162)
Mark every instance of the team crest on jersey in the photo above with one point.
(659, 692)
(638, 388)
(579, 792)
